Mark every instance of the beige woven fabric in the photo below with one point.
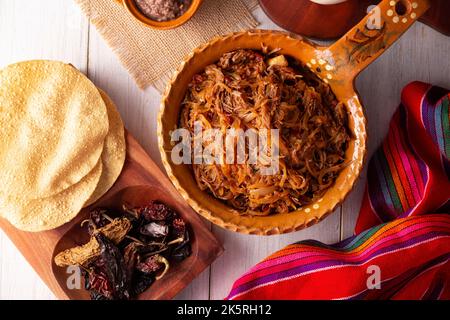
(152, 55)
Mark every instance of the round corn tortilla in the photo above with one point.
(114, 151)
(54, 211)
(53, 123)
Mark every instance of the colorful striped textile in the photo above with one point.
(410, 173)
(411, 253)
(401, 251)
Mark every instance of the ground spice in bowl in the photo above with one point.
(163, 10)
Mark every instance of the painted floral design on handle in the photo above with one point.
(383, 25)
(366, 43)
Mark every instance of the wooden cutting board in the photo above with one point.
(333, 21)
(140, 181)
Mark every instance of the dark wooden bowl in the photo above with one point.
(178, 275)
(332, 21)
(314, 20)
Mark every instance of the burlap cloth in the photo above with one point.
(151, 56)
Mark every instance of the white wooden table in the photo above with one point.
(56, 29)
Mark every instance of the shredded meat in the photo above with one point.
(249, 89)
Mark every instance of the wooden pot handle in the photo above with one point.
(383, 25)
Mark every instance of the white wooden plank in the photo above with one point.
(17, 279)
(421, 54)
(46, 29)
(138, 108)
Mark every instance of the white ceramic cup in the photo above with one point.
(328, 1)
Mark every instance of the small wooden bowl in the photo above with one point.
(130, 5)
(179, 275)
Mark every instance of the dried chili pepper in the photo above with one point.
(141, 282)
(179, 227)
(182, 250)
(157, 211)
(151, 265)
(181, 253)
(114, 268)
(155, 230)
(154, 211)
(131, 256)
(97, 220)
(99, 286)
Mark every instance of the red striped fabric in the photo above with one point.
(401, 251)
(412, 177)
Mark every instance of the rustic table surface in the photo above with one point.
(56, 29)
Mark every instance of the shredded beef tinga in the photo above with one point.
(249, 89)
